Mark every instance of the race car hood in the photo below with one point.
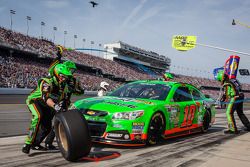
(115, 104)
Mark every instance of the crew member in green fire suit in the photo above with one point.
(74, 83)
(43, 102)
(233, 94)
(72, 87)
(167, 76)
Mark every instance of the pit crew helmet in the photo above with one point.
(220, 76)
(71, 65)
(61, 73)
(104, 85)
(167, 76)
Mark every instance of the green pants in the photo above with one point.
(40, 124)
(230, 115)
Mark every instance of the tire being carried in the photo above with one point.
(72, 135)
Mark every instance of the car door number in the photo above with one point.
(189, 113)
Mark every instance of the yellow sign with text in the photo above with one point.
(183, 43)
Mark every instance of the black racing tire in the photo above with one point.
(206, 121)
(72, 135)
(156, 128)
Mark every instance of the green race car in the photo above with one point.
(143, 112)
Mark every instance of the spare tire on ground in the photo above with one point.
(72, 135)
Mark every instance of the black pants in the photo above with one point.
(51, 136)
(238, 107)
(45, 126)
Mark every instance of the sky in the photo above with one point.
(148, 24)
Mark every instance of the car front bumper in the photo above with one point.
(99, 133)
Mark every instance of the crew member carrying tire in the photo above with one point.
(43, 103)
(72, 87)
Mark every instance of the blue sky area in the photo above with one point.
(149, 24)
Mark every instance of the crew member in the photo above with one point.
(43, 102)
(167, 76)
(72, 87)
(103, 89)
(232, 92)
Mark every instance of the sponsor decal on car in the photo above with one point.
(116, 135)
(137, 127)
(145, 102)
(121, 104)
(90, 112)
(174, 114)
(117, 126)
(138, 136)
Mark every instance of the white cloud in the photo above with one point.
(56, 3)
(128, 19)
(147, 15)
(133, 13)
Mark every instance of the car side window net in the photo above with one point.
(182, 94)
(197, 95)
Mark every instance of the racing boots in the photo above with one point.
(26, 148)
(231, 132)
(50, 147)
(247, 129)
(38, 148)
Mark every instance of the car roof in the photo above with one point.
(155, 82)
(169, 83)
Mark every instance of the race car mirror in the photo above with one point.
(244, 72)
(183, 43)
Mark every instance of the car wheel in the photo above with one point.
(156, 128)
(72, 135)
(206, 121)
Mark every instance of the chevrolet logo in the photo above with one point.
(91, 112)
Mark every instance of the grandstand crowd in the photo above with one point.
(19, 71)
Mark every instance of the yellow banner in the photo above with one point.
(183, 43)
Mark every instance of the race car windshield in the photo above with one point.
(143, 90)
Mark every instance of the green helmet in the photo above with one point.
(220, 75)
(168, 76)
(62, 72)
(70, 64)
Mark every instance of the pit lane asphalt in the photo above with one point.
(15, 116)
(193, 150)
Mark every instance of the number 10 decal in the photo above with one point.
(189, 112)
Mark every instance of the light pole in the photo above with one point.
(28, 19)
(42, 24)
(92, 43)
(100, 45)
(64, 39)
(75, 36)
(54, 34)
(106, 49)
(83, 41)
(12, 12)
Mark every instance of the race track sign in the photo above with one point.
(183, 43)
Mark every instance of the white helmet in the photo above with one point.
(103, 85)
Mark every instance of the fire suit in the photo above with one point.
(42, 114)
(232, 92)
